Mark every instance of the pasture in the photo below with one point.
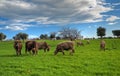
(87, 60)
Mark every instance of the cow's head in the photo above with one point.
(48, 48)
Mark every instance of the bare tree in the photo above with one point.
(69, 33)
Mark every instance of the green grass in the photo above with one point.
(87, 60)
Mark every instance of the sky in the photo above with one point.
(36, 17)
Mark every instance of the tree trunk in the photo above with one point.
(101, 37)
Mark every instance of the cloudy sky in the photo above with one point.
(36, 17)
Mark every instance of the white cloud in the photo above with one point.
(112, 23)
(116, 4)
(2, 22)
(112, 18)
(53, 11)
(17, 26)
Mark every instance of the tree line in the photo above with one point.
(101, 31)
(64, 33)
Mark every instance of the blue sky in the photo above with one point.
(36, 17)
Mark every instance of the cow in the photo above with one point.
(18, 47)
(44, 46)
(31, 46)
(102, 45)
(69, 45)
(80, 43)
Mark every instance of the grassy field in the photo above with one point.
(87, 60)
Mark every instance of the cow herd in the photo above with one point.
(32, 46)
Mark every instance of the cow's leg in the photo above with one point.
(104, 48)
(100, 47)
(20, 51)
(63, 52)
(55, 53)
(17, 52)
(71, 52)
(47, 48)
(44, 50)
(36, 52)
(33, 51)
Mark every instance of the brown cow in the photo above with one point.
(102, 45)
(65, 46)
(80, 43)
(31, 46)
(18, 46)
(43, 45)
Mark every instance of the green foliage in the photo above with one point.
(87, 60)
(116, 32)
(101, 31)
(2, 36)
(20, 35)
(43, 36)
(52, 35)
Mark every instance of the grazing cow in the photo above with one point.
(31, 46)
(80, 43)
(18, 46)
(65, 46)
(102, 45)
(43, 45)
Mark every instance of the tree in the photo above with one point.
(2, 36)
(58, 37)
(101, 32)
(21, 36)
(70, 33)
(43, 36)
(116, 32)
(52, 35)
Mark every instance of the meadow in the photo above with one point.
(87, 60)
